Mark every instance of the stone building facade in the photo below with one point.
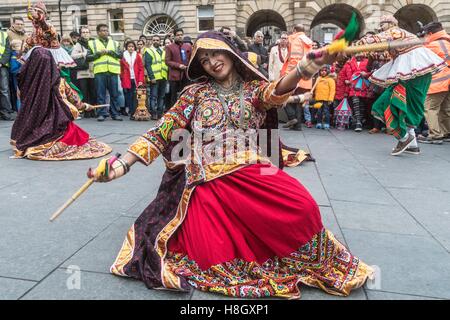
(133, 17)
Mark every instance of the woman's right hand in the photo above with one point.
(103, 173)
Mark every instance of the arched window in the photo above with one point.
(160, 25)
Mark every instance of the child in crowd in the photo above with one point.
(341, 86)
(131, 76)
(358, 75)
(324, 92)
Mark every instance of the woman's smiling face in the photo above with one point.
(217, 63)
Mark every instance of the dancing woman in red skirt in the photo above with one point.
(238, 226)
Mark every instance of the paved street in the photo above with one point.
(392, 212)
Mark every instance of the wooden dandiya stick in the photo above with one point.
(80, 191)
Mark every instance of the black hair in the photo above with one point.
(130, 42)
(14, 19)
(433, 27)
(74, 34)
(101, 25)
(177, 30)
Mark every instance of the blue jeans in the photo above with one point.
(157, 97)
(130, 98)
(108, 81)
(306, 112)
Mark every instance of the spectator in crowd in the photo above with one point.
(75, 36)
(437, 104)
(167, 41)
(106, 54)
(342, 88)
(143, 37)
(277, 57)
(315, 45)
(67, 43)
(234, 38)
(141, 48)
(259, 48)
(5, 56)
(157, 72)
(325, 90)
(131, 76)
(171, 35)
(17, 31)
(188, 40)
(357, 79)
(177, 59)
(14, 68)
(85, 70)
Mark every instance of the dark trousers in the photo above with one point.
(108, 81)
(157, 97)
(13, 84)
(87, 88)
(323, 113)
(5, 100)
(130, 98)
(293, 112)
(175, 89)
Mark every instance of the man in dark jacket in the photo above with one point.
(177, 59)
(258, 48)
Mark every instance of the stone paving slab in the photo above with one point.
(378, 218)
(108, 243)
(408, 264)
(13, 289)
(97, 286)
(430, 208)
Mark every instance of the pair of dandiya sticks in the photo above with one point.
(340, 45)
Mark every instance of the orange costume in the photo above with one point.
(299, 46)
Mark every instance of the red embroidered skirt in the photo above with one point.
(249, 216)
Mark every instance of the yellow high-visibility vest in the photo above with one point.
(159, 67)
(3, 37)
(105, 63)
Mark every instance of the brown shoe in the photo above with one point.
(374, 130)
(413, 150)
(402, 146)
(290, 123)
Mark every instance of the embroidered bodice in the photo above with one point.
(216, 122)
